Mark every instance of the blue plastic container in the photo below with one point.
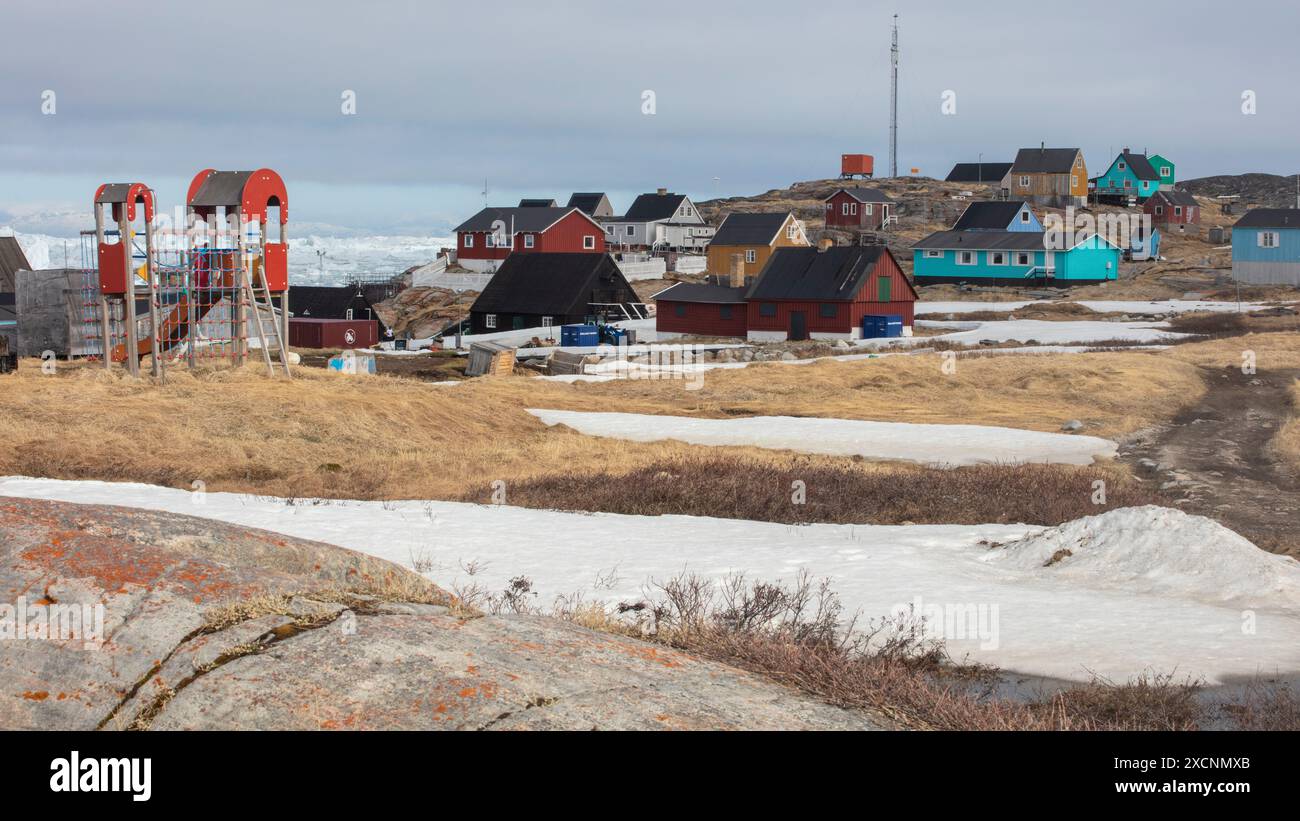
(882, 326)
(579, 336)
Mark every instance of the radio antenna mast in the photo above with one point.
(893, 103)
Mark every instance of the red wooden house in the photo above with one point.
(824, 292)
(858, 209)
(1174, 210)
(491, 235)
(701, 310)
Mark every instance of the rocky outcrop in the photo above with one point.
(211, 626)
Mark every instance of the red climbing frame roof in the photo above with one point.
(250, 191)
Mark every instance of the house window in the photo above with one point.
(489, 320)
(844, 209)
(1024, 181)
(1269, 239)
(1178, 210)
(589, 242)
(884, 289)
(789, 232)
(469, 240)
(609, 229)
(631, 230)
(1078, 162)
(853, 209)
(679, 309)
(724, 312)
(965, 257)
(751, 256)
(867, 209)
(1022, 258)
(767, 309)
(1164, 171)
(934, 254)
(1024, 216)
(997, 258)
(1074, 182)
(1160, 210)
(1121, 165)
(529, 239)
(548, 321)
(1128, 183)
(829, 310)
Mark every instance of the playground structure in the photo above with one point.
(204, 286)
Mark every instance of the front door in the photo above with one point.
(798, 325)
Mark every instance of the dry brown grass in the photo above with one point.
(1287, 442)
(327, 435)
(1272, 350)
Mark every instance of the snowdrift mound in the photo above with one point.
(1159, 550)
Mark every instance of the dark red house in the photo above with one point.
(1174, 210)
(491, 235)
(823, 293)
(701, 310)
(858, 209)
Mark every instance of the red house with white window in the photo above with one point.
(823, 293)
(487, 238)
(858, 209)
(1176, 211)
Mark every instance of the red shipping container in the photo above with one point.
(851, 164)
(345, 334)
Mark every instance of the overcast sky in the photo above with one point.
(547, 98)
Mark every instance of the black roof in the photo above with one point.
(1045, 160)
(749, 229)
(978, 172)
(1140, 165)
(12, 260)
(985, 240)
(993, 215)
(546, 283)
(691, 292)
(864, 194)
(537, 203)
(1176, 197)
(836, 273)
(654, 207)
(1270, 218)
(522, 219)
(587, 202)
(331, 302)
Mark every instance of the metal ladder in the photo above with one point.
(250, 299)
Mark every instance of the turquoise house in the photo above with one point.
(1164, 170)
(1129, 176)
(991, 257)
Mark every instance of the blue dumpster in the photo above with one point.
(579, 336)
(880, 326)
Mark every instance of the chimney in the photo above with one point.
(661, 191)
(1042, 147)
(737, 270)
(1126, 151)
(824, 244)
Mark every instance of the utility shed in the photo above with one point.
(50, 308)
(490, 359)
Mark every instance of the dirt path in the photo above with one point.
(1214, 459)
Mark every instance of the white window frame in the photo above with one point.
(1166, 171)
(631, 230)
(1074, 181)
(1268, 239)
(853, 209)
(844, 209)
(1121, 165)
(1178, 210)
(1024, 258)
(1024, 215)
(609, 229)
(469, 241)
(974, 258)
(588, 242)
(1160, 211)
(868, 209)
(989, 257)
(933, 254)
(751, 256)
(1024, 180)
(529, 240)
(548, 321)
(789, 232)
(490, 321)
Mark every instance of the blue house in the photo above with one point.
(1129, 176)
(998, 215)
(1266, 247)
(1011, 258)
